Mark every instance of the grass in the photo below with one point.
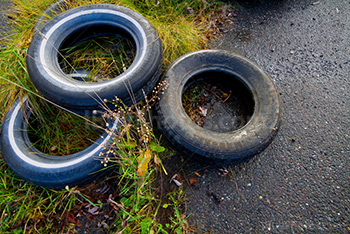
(129, 198)
(25, 206)
(57, 132)
(107, 56)
(139, 156)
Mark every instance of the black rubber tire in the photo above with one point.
(189, 138)
(46, 170)
(71, 27)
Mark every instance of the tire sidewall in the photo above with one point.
(54, 84)
(46, 170)
(250, 139)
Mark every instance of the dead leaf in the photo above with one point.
(71, 219)
(143, 160)
(102, 189)
(203, 112)
(177, 179)
(89, 217)
(157, 160)
(114, 204)
(54, 149)
(125, 222)
(94, 210)
(190, 10)
(222, 171)
(192, 180)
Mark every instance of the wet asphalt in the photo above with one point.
(301, 182)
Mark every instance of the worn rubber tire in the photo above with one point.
(71, 27)
(189, 138)
(46, 170)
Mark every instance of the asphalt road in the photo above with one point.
(301, 182)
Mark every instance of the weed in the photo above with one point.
(28, 207)
(56, 132)
(137, 155)
(99, 58)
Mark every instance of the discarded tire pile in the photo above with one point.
(78, 24)
(69, 28)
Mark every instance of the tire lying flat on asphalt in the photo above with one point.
(79, 24)
(46, 170)
(188, 137)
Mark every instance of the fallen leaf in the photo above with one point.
(190, 10)
(94, 210)
(203, 112)
(125, 222)
(54, 149)
(177, 179)
(143, 160)
(102, 189)
(115, 205)
(192, 180)
(222, 171)
(89, 217)
(157, 160)
(71, 219)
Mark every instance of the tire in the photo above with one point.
(46, 170)
(70, 27)
(191, 139)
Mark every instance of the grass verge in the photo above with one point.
(126, 202)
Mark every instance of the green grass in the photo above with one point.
(26, 208)
(57, 132)
(105, 56)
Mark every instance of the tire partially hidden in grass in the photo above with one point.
(90, 30)
(56, 132)
(44, 169)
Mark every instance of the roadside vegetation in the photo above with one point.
(128, 200)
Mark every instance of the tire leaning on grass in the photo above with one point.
(47, 170)
(222, 148)
(81, 23)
